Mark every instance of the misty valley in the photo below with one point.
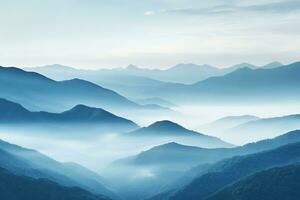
(189, 132)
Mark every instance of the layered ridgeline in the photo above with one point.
(273, 184)
(181, 73)
(262, 128)
(228, 171)
(30, 163)
(12, 113)
(137, 82)
(168, 131)
(15, 187)
(242, 85)
(37, 92)
(167, 167)
(227, 122)
(242, 129)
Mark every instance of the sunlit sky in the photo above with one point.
(148, 33)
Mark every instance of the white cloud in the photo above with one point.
(149, 13)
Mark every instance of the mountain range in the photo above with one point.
(272, 184)
(243, 85)
(154, 170)
(224, 173)
(37, 92)
(12, 113)
(30, 163)
(181, 73)
(141, 83)
(242, 129)
(169, 131)
(15, 187)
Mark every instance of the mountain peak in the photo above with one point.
(84, 110)
(11, 107)
(272, 65)
(57, 66)
(185, 66)
(165, 125)
(132, 67)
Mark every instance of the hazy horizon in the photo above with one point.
(84, 67)
(154, 34)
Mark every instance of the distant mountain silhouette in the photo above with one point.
(172, 152)
(230, 170)
(273, 184)
(169, 129)
(242, 85)
(141, 83)
(22, 187)
(157, 101)
(27, 162)
(15, 113)
(227, 122)
(272, 65)
(263, 128)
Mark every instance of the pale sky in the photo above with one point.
(148, 33)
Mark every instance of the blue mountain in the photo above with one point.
(23, 187)
(37, 92)
(27, 162)
(12, 113)
(242, 85)
(273, 184)
(263, 127)
(190, 162)
(228, 171)
(166, 128)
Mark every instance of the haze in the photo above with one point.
(149, 33)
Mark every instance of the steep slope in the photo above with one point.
(273, 184)
(172, 132)
(228, 171)
(37, 92)
(15, 187)
(27, 162)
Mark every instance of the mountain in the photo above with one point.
(123, 81)
(26, 162)
(231, 170)
(273, 184)
(16, 187)
(181, 73)
(172, 132)
(240, 66)
(12, 113)
(37, 92)
(262, 128)
(152, 171)
(145, 174)
(272, 65)
(157, 101)
(243, 85)
(227, 122)
(200, 159)
(142, 83)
